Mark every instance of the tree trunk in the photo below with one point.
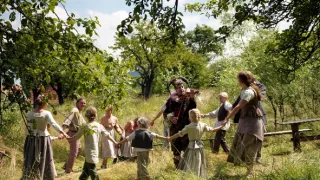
(35, 93)
(58, 90)
(274, 108)
(59, 93)
(148, 86)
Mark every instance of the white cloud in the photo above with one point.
(109, 23)
(190, 21)
(61, 13)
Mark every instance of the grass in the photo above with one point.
(279, 160)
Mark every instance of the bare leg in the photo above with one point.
(104, 163)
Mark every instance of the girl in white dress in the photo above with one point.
(194, 159)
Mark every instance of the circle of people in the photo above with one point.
(182, 120)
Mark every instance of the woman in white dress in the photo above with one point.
(194, 159)
(108, 150)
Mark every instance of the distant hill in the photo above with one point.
(134, 74)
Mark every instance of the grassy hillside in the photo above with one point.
(279, 160)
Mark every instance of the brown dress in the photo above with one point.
(249, 135)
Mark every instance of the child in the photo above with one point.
(142, 142)
(91, 132)
(194, 159)
(221, 113)
(126, 150)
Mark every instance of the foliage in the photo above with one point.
(203, 40)
(295, 45)
(147, 52)
(298, 95)
(166, 17)
(47, 50)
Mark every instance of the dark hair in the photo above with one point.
(41, 100)
(80, 99)
(246, 78)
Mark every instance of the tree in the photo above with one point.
(296, 44)
(147, 52)
(46, 49)
(297, 94)
(166, 17)
(203, 40)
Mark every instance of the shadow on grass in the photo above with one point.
(281, 153)
(318, 145)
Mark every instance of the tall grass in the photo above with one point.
(279, 160)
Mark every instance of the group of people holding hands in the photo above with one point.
(182, 128)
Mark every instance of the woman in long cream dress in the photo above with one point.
(38, 155)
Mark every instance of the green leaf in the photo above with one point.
(137, 17)
(12, 16)
(130, 29)
(24, 22)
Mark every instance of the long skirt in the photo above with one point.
(194, 161)
(244, 149)
(126, 150)
(38, 158)
(108, 150)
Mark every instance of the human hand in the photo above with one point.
(152, 123)
(61, 136)
(117, 145)
(202, 115)
(174, 120)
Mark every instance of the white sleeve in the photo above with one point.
(163, 107)
(131, 136)
(183, 131)
(213, 114)
(228, 106)
(248, 95)
(207, 128)
(52, 122)
(152, 134)
(79, 133)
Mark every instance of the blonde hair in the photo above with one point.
(194, 115)
(91, 113)
(143, 122)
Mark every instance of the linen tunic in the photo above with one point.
(92, 132)
(74, 120)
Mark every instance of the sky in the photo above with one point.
(111, 12)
